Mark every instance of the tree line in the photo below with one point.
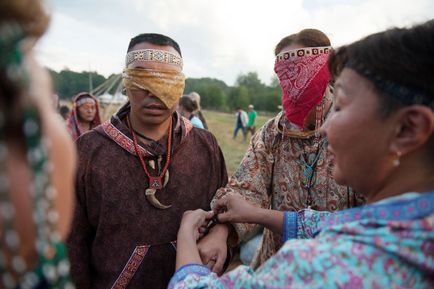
(215, 94)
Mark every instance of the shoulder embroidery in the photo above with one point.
(121, 139)
(188, 125)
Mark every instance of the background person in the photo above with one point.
(186, 108)
(241, 120)
(198, 112)
(64, 112)
(251, 125)
(84, 115)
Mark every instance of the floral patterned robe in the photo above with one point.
(272, 174)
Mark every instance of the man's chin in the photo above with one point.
(154, 119)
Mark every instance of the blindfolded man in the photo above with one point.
(138, 173)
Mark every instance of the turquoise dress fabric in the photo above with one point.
(196, 122)
(389, 244)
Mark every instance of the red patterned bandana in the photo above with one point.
(303, 76)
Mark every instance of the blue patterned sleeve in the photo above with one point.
(302, 224)
(289, 226)
(299, 264)
(188, 270)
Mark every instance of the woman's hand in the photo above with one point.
(193, 226)
(194, 223)
(235, 209)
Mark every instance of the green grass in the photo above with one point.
(222, 126)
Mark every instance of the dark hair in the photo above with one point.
(399, 62)
(306, 37)
(29, 14)
(64, 109)
(187, 103)
(26, 19)
(154, 38)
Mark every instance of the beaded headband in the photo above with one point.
(404, 94)
(153, 55)
(300, 52)
(85, 100)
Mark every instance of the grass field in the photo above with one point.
(222, 126)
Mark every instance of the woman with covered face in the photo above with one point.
(287, 166)
(84, 115)
(381, 136)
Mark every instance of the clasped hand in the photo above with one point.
(231, 209)
(198, 225)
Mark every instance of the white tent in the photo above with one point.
(107, 98)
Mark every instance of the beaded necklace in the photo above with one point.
(311, 154)
(155, 182)
(309, 162)
(309, 172)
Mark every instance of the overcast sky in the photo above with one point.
(218, 38)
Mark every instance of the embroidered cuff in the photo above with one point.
(186, 270)
(289, 226)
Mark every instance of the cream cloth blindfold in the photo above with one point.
(167, 85)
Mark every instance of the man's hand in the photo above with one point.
(213, 248)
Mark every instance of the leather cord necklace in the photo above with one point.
(309, 172)
(155, 182)
(142, 136)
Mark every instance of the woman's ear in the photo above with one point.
(415, 125)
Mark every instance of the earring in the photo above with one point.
(396, 162)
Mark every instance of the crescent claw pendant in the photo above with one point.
(155, 182)
(150, 196)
